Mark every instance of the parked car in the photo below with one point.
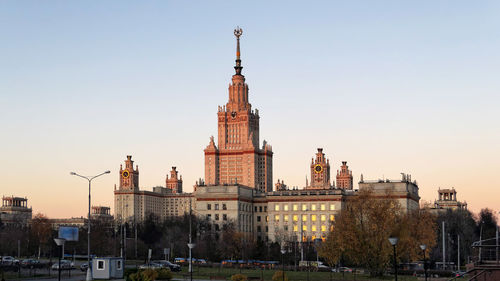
(167, 264)
(151, 265)
(28, 263)
(84, 266)
(458, 273)
(65, 264)
(8, 260)
(345, 269)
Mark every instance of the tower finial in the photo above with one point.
(238, 32)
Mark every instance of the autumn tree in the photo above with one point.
(361, 231)
(40, 232)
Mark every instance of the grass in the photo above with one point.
(267, 274)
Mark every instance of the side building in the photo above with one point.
(15, 210)
(132, 204)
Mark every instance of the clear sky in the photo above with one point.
(389, 86)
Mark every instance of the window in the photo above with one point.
(304, 217)
(265, 208)
(217, 227)
(276, 218)
(216, 206)
(323, 228)
(267, 228)
(313, 228)
(119, 264)
(313, 207)
(209, 206)
(224, 207)
(323, 207)
(259, 229)
(313, 217)
(304, 227)
(267, 218)
(295, 207)
(209, 217)
(276, 207)
(255, 209)
(323, 217)
(224, 217)
(304, 207)
(285, 227)
(332, 217)
(100, 264)
(285, 207)
(332, 207)
(285, 218)
(260, 208)
(216, 217)
(295, 228)
(258, 218)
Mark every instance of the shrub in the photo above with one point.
(138, 276)
(150, 274)
(164, 274)
(278, 276)
(128, 272)
(239, 277)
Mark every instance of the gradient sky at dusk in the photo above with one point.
(389, 86)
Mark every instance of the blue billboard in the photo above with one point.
(70, 233)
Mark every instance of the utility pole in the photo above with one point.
(458, 258)
(444, 246)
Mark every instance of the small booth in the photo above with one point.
(107, 268)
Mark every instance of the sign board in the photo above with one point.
(149, 253)
(70, 233)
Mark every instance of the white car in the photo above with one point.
(65, 264)
(8, 260)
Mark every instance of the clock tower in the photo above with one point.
(236, 158)
(320, 172)
(129, 178)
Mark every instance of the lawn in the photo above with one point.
(207, 272)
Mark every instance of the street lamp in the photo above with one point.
(283, 251)
(394, 241)
(423, 247)
(191, 246)
(60, 243)
(89, 179)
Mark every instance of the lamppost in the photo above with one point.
(423, 247)
(394, 241)
(60, 243)
(89, 179)
(283, 251)
(190, 244)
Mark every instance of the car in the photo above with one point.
(27, 263)
(345, 269)
(167, 264)
(65, 264)
(8, 260)
(151, 265)
(458, 273)
(84, 266)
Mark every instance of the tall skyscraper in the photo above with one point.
(320, 171)
(344, 177)
(237, 157)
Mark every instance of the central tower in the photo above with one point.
(237, 158)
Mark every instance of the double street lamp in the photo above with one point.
(89, 179)
(394, 241)
(423, 247)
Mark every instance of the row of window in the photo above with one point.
(323, 228)
(217, 217)
(305, 207)
(216, 206)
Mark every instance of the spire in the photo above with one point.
(238, 32)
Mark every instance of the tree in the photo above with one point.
(361, 231)
(40, 232)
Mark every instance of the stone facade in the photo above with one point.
(344, 177)
(237, 157)
(404, 191)
(15, 210)
(238, 183)
(320, 172)
(447, 200)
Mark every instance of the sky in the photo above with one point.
(388, 86)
